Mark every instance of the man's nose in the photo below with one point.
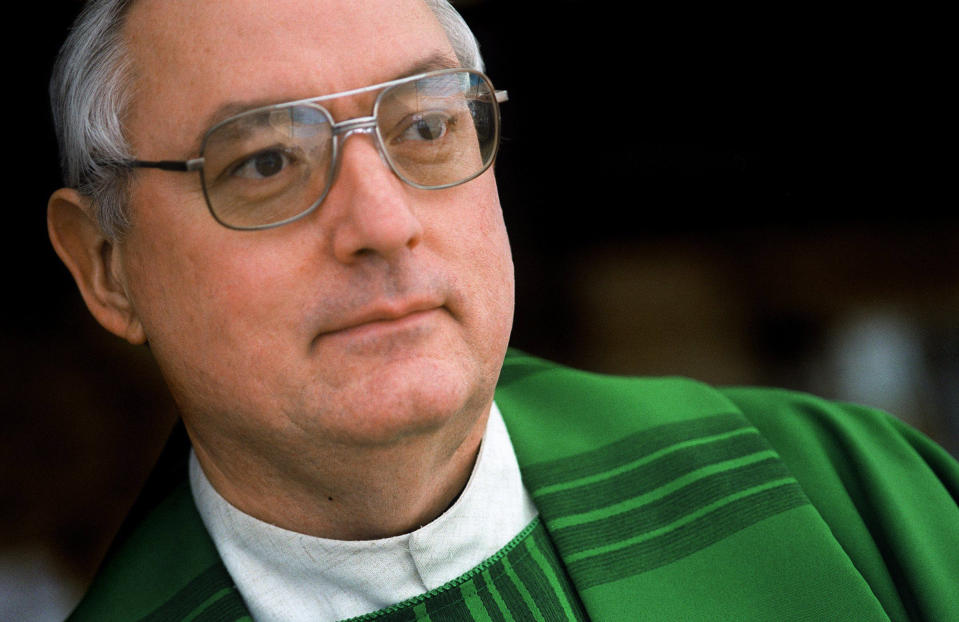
(375, 213)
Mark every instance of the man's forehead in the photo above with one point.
(211, 35)
(199, 61)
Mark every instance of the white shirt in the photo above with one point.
(291, 577)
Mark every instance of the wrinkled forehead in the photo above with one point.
(193, 57)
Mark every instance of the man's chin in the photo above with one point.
(401, 398)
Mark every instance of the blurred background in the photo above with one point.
(743, 197)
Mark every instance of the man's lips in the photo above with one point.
(381, 318)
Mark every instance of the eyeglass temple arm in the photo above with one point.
(168, 165)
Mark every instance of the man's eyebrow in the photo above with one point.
(433, 62)
(223, 113)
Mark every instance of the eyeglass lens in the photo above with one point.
(272, 165)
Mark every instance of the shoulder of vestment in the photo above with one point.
(884, 491)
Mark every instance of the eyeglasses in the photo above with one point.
(270, 166)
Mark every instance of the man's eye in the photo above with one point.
(430, 126)
(262, 164)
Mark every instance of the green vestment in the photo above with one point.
(662, 499)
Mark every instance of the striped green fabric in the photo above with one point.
(207, 598)
(523, 581)
(671, 500)
(659, 495)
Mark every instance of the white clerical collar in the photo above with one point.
(287, 576)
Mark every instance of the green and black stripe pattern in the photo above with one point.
(209, 597)
(659, 495)
(524, 581)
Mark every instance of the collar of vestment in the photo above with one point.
(288, 576)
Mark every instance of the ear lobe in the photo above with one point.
(92, 258)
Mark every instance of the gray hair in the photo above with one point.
(91, 90)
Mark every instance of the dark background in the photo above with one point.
(746, 197)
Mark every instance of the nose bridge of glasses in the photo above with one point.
(357, 125)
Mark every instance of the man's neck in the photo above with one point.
(345, 492)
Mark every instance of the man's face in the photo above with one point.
(383, 313)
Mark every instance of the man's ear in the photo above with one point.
(93, 260)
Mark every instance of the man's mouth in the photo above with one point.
(385, 320)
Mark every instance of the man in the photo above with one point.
(294, 207)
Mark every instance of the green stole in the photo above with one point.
(525, 580)
(665, 499)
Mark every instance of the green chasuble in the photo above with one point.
(659, 499)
